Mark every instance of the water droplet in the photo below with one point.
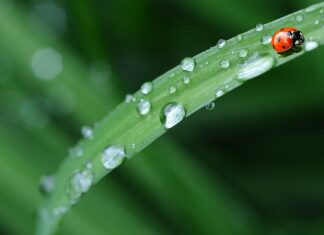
(47, 64)
(265, 40)
(172, 89)
(255, 66)
(210, 106)
(243, 53)
(316, 22)
(143, 107)
(240, 37)
(113, 156)
(87, 132)
(221, 43)
(88, 165)
(172, 114)
(47, 184)
(186, 80)
(311, 45)
(188, 64)
(224, 64)
(77, 151)
(79, 183)
(219, 93)
(299, 18)
(129, 98)
(259, 27)
(146, 88)
(59, 211)
(133, 146)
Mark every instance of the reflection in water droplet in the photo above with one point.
(129, 98)
(188, 64)
(79, 183)
(259, 27)
(146, 88)
(221, 43)
(113, 156)
(255, 66)
(219, 93)
(311, 45)
(172, 114)
(47, 64)
(186, 80)
(143, 107)
(87, 132)
(210, 106)
(172, 89)
(224, 64)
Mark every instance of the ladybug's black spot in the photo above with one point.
(283, 47)
(278, 39)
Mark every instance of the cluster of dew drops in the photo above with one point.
(171, 114)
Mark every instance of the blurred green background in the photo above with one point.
(253, 165)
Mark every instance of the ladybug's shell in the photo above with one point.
(282, 40)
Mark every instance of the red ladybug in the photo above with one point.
(288, 40)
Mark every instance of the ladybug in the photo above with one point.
(288, 40)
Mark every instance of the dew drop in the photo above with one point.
(224, 64)
(60, 211)
(188, 64)
(87, 132)
(113, 156)
(129, 98)
(146, 88)
(221, 43)
(186, 80)
(316, 22)
(255, 66)
(133, 146)
(265, 40)
(210, 106)
(299, 18)
(143, 107)
(240, 37)
(311, 45)
(172, 114)
(79, 183)
(219, 93)
(47, 184)
(259, 27)
(243, 53)
(76, 151)
(172, 89)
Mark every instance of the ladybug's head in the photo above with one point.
(298, 38)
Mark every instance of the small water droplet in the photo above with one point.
(129, 98)
(186, 80)
(146, 88)
(88, 165)
(316, 22)
(255, 66)
(210, 106)
(243, 53)
(59, 211)
(113, 156)
(79, 183)
(221, 43)
(188, 64)
(172, 89)
(47, 184)
(240, 37)
(76, 151)
(224, 64)
(87, 132)
(172, 114)
(143, 107)
(133, 146)
(265, 40)
(259, 27)
(299, 18)
(219, 93)
(311, 45)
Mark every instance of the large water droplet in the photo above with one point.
(299, 18)
(47, 184)
(87, 132)
(255, 66)
(221, 43)
(224, 64)
(210, 106)
(188, 64)
(143, 107)
(113, 156)
(146, 88)
(47, 64)
(171, 114)
(186, 80)
(265, 40)
(172, 89)
(259, 27)
(243, 53)
(311, 45)
(79, 183)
